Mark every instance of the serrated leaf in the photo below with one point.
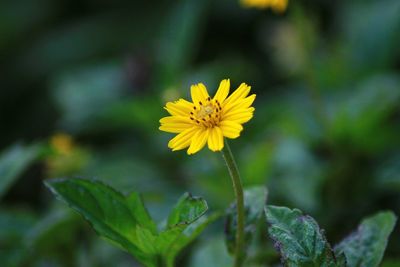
(13, 162)
(366, 246)
(254, 201)
(110, 213)
(171, 240)
(298, 238)
(125, 222)
(187, 210)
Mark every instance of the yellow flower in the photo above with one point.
(276, 5)
(208, 120)
(62, 143)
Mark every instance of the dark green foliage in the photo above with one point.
(255, 199)
(187, 210)
(366, 246)
(13, 162)
(301, 242)
(124, 221)
(299, 239)
(110, 213)
(187, 236)
(324, 137)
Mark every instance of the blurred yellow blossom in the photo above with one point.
(67, 158)
(276, 5)
(62, 143)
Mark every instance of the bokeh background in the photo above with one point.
(83, 83)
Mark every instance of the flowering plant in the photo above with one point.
(125, 221)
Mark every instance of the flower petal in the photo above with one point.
(246, 102)
(239, 103)
(175, 119)
(183, 139)
(174, 128)
(179, 108)
(230, 129)
(239, 115)
(175, 124)
(198, 141)
(199, 93)
(242, 118)
(236, 111)
(215, 139)
(241, 92)
(223, 91)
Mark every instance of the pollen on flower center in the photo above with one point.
(205, 111)
(207, 114)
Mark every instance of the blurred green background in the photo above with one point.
(83, 83)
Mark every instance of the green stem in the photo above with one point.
(237, 187)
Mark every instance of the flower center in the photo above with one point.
(207, 114)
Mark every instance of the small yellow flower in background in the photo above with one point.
(67, 158)
(277, 5)
(62, 143)
(208, 120)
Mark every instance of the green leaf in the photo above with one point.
(187, 210)
(298, 238)
(13, 162)
(177, 233)
(254, 201)
(125, 222)
(366, 246)
(187, 236)
(118, 218)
